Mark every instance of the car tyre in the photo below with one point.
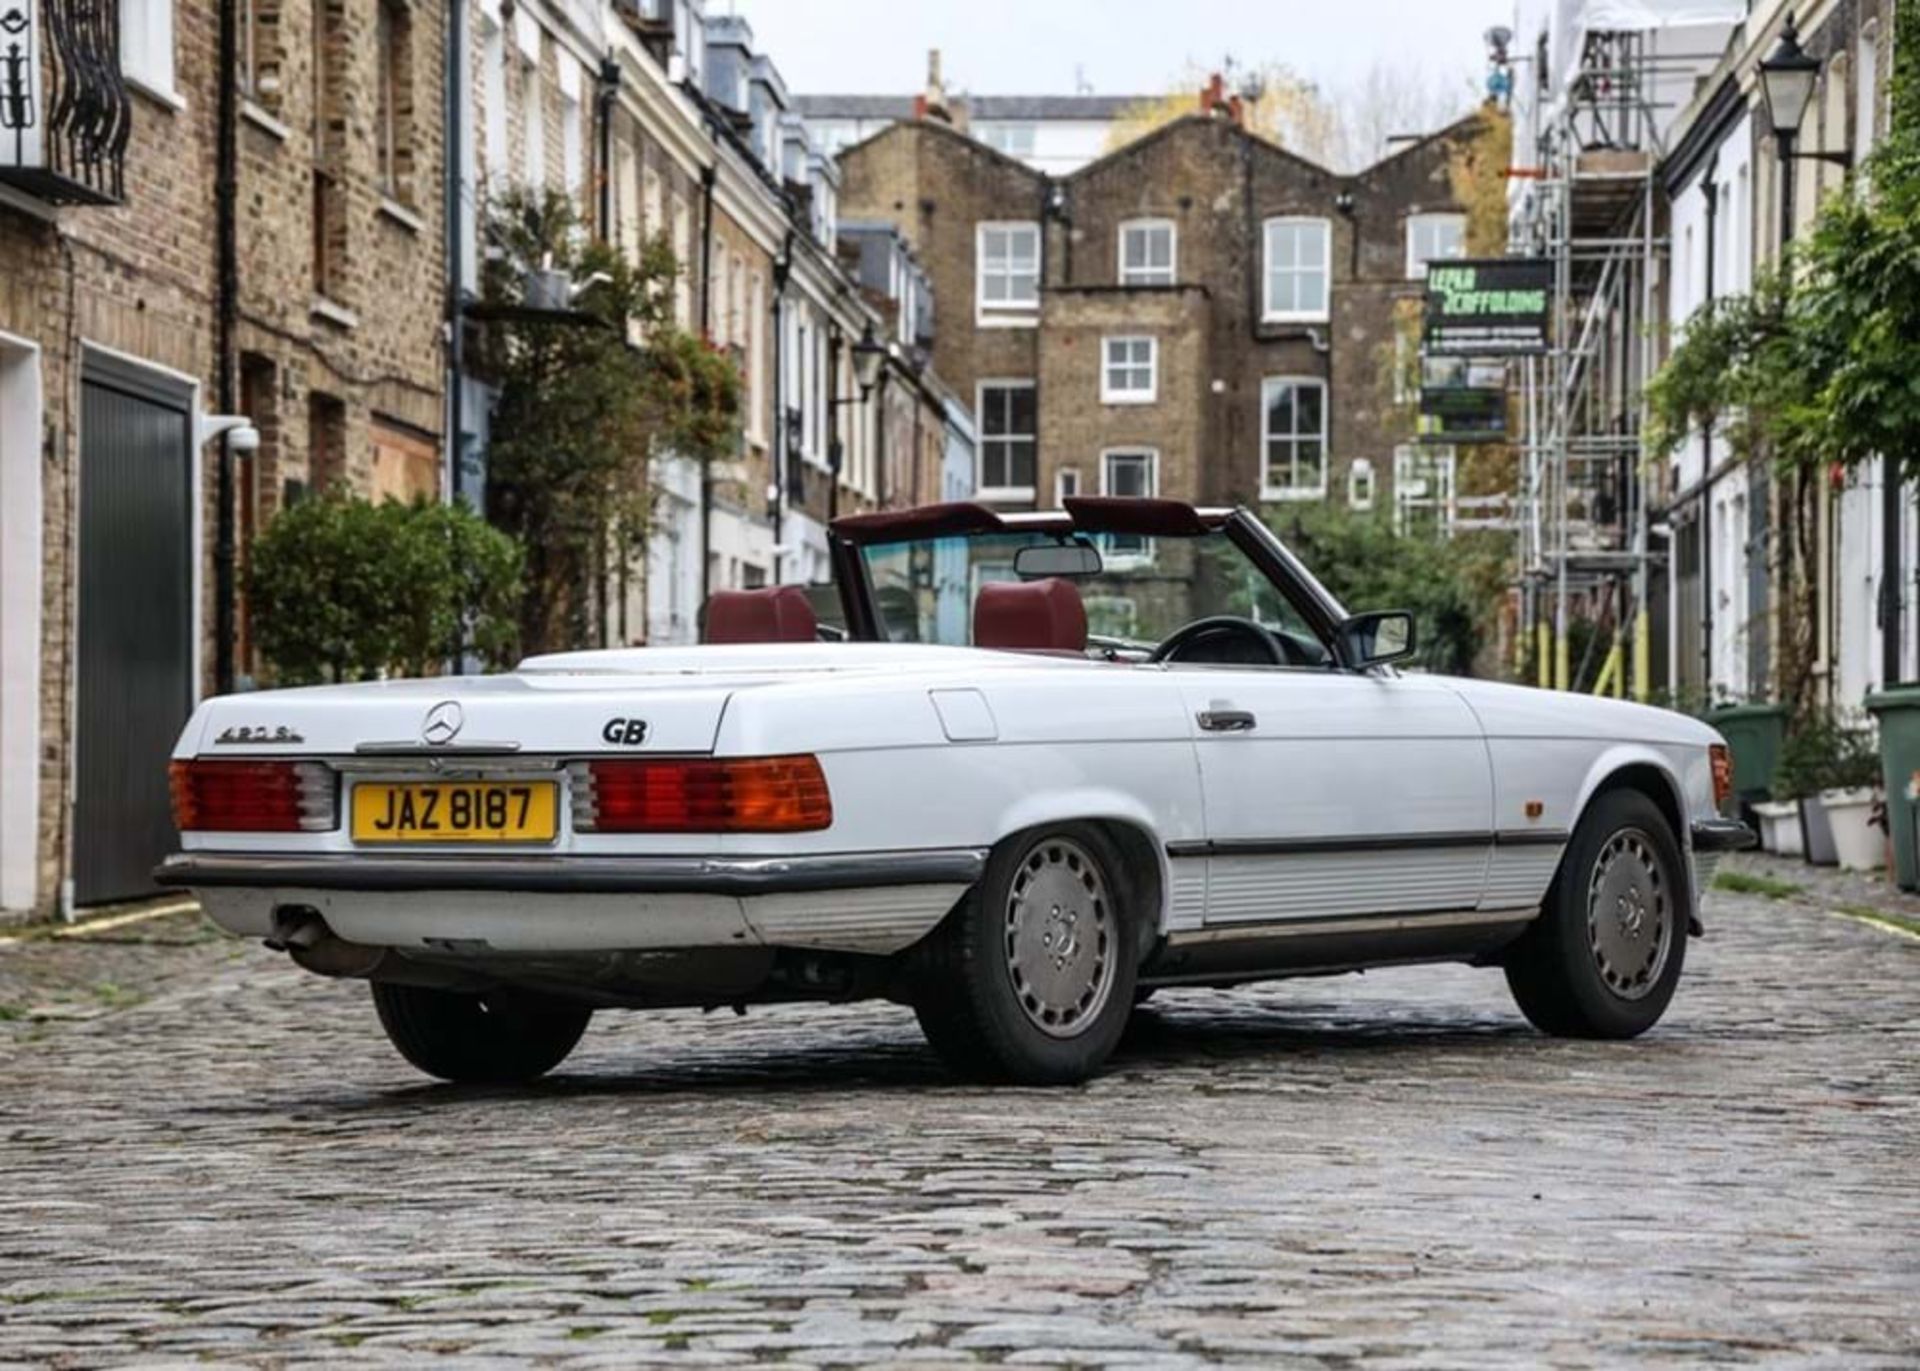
(1031, 979)
(1603, 958)
(478, 1039)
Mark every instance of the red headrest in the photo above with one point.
(1032, 616)
(777, 614)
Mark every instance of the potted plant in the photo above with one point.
(1806, 761)
(1848, 800)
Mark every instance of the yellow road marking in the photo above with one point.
(1875, 921)
(102, 925)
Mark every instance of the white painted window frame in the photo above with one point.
(148, 44)
(982, 490)
(1060, 492)
(1416, 264)
(1142, 554)
(1268, 490)
(1269, 313)
(1148, 276)
(1004, 313)
(1361, 470)
(1109, 393)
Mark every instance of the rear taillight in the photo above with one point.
(1722, 762)
(253, 797)
(701, 795)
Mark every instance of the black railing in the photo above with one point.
(64, 112)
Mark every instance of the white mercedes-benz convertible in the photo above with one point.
(1016, 771)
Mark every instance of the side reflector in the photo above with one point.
(701, 795)
(1722, 762)
(253, 797)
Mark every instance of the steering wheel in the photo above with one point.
(1223, 627)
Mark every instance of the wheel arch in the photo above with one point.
(1644, 771)
(1123, 820)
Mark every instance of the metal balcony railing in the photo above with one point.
(64, 111)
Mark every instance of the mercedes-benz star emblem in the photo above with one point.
(442, 723)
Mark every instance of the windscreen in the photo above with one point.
(1137, 590)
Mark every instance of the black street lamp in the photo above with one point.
(1788, 75)
(869, 355)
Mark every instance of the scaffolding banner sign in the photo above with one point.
(1493, 308)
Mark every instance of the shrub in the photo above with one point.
(1450, 585)
(340, 590)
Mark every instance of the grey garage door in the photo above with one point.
(134, 665)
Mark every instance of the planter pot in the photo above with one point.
(1818, 832)
(1859, 845)
(1779, 827)
(1898, 711)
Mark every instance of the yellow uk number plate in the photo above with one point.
(455, 811)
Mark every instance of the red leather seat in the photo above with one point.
(777, 614)
(1030, 616)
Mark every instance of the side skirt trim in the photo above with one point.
(1360, 923)
(1397, 842)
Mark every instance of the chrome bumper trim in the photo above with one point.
(1722, 835)
(736, 876)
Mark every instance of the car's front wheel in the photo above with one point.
(478, 1039)
(1031, 980)
(1605, 954)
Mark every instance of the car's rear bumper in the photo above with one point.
(873, 902)
(737, 876)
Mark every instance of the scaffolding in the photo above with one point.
(1587, 550)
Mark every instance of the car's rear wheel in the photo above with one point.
(1605, 955)
(478, 1039)
(1031, 980)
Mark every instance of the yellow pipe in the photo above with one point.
(1603, 683)
(1543, 655)
(1562, 664)
(1642, 656)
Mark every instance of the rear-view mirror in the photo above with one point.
(1382, 636)
(1072, 560)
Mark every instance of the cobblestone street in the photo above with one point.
(227, 1161)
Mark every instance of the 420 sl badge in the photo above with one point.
(261, 733)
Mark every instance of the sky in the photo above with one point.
(1117, 47)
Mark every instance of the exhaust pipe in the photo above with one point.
(302, 934)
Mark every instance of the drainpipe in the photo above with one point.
(453, 177)
(782, 268)
(1712, 191)
(707, 179)
(835, 448)
(603, 107)
(226, 193)
(1890, 626)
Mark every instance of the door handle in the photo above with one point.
(1227, 720)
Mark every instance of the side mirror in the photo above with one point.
(1383, 636)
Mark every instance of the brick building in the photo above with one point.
(341, 255)
(107, 367)
(131, 312)
(1200, 314)
(666, 122)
